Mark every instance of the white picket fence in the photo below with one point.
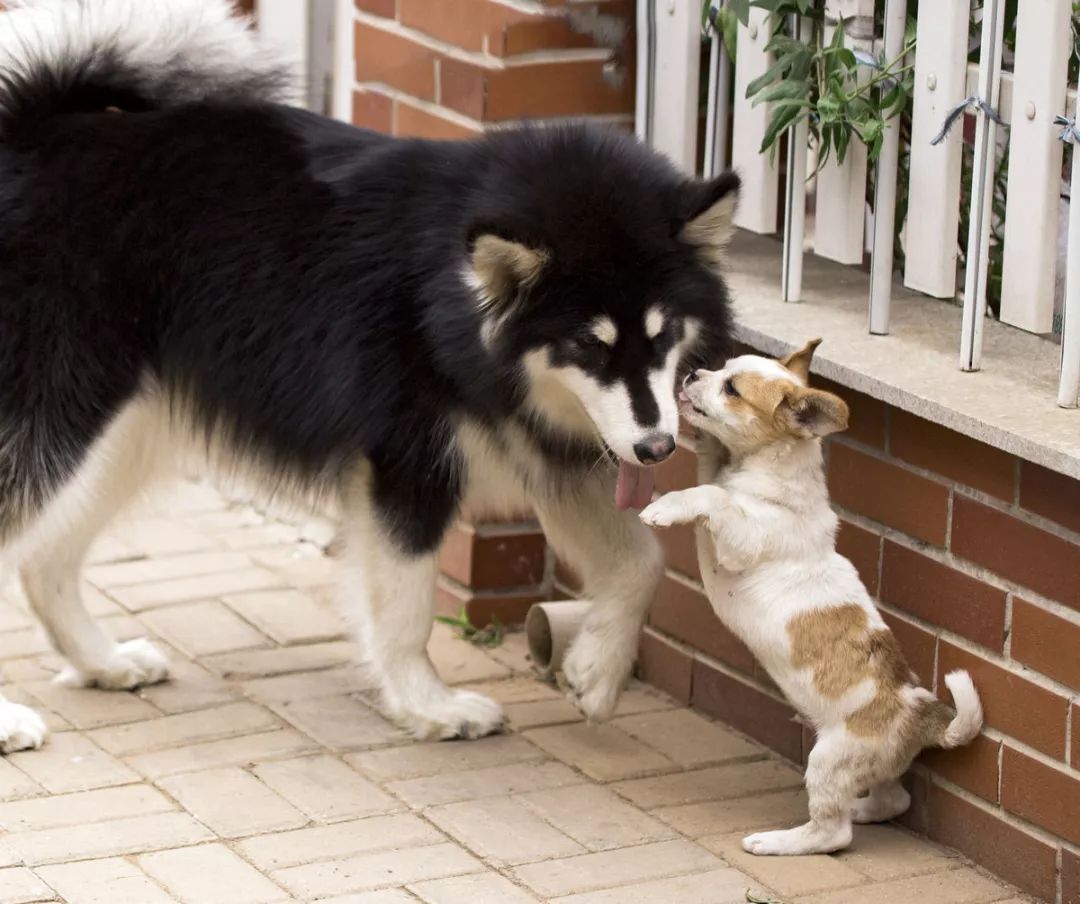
(1028, 100)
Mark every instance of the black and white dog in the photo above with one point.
(191, 270)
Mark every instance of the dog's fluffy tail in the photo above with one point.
(969, 714)
(77, 56)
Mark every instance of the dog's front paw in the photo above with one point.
(664, 512)
(20, 728)
(595, 672)
(131, 664)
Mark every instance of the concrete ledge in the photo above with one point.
(1010, 404)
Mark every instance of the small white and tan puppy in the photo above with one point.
(766, 545)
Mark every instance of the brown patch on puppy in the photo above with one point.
(787, 409)
(836, 643)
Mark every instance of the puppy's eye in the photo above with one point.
(729, 388)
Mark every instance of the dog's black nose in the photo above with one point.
(655, 448)
(690, 378)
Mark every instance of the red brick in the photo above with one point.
(680, 549)
(665, 666)
(863, 548)
(1014, 549)
(1075, 758)
(973, 767)
(486, 561)
(1048, 797)
(462, 87)
(390, 59)
(463, 23)
(1051, 495)
(746, 708)
(1012, 853)
(412, 122)
(509, 607)
(373, 111)
(866, 415)
(888, 493)
(952, 455)
(918, 644)
(1070, 877)
(385, 8)
(1012, 704)
(533, 34)
(679, 472)
(937, 593)
(684, 613)
(1047, 642)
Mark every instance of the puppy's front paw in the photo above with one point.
(664, 512)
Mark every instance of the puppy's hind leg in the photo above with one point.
(884, 802)
(51, 553)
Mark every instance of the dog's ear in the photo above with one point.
(706, 219)
(501, 267)
(812, 412)
(798, 362)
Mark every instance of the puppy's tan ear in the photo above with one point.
(813, 412)
(799, 362)
(502, 267)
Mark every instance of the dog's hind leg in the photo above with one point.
(884, 802)
(620, 562)
(389, 592)
(51, 553)
(20, 727)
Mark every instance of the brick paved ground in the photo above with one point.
(261, 774)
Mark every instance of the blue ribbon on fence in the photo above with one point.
(1070, 132)
(960, 109)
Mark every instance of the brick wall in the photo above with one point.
(975, 557)
(448, 68)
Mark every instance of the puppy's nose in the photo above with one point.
(655, 448)
(691, 377)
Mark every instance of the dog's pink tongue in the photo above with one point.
(634, 487)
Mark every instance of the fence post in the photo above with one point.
(757, 209)
(718, 107)
(795, 195)
(677, 66)
(1069, 380)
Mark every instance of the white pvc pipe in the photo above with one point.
(888, 162)
(550, 628)
(1069, 382)
(982, 189)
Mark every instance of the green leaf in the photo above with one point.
(783, 116)
(784, 90)
(741, 9)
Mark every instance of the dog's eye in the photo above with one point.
(592, 342)
(729, 388)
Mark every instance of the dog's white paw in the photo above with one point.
(20, 728)
(661, 513)
(808, 839)
(595, 671)
(456, 714)
(130, 664)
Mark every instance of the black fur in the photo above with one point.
(296, 284)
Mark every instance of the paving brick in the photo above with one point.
(71, 762)
(745, 814)
(89, 707)
(1014, 549)
(372, 871)
(537, 713)
(974, 767)
(110, 881)
(519, 689)
(952, 455)
(162, 537)
(715, 783)
(513, 653)
(190, 687)
(863, 548)
(15, 784)
(280, 660)
(960, 886)
(1046, 641)
(1046, 796)
(210, 874)
(288, 616)
(666, 665)
(162, 568)
(686, 738)
(610, 869)
(790, 876)
(458, 661)
(23, 642)
(325, 788)
(185, 728)
(683, 612)
(717, 886)
(200, 629)
(339, 841)
(502, 831)
(304, 685)
(227, 752)
(943, 595)
(232, 802)
(418, 760)
(340, 723)
(20, 886)
(384, 896)
(595, 817)
(302, 566)
(1050, 494)
(91, 840)
(491, 782)
(888, 493)
(477, 888)
(1011, 703)
(100, 805)
(140, 597)
(885, 852)
(602, 752)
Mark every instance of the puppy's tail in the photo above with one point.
(59, 57)
(967, 721)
